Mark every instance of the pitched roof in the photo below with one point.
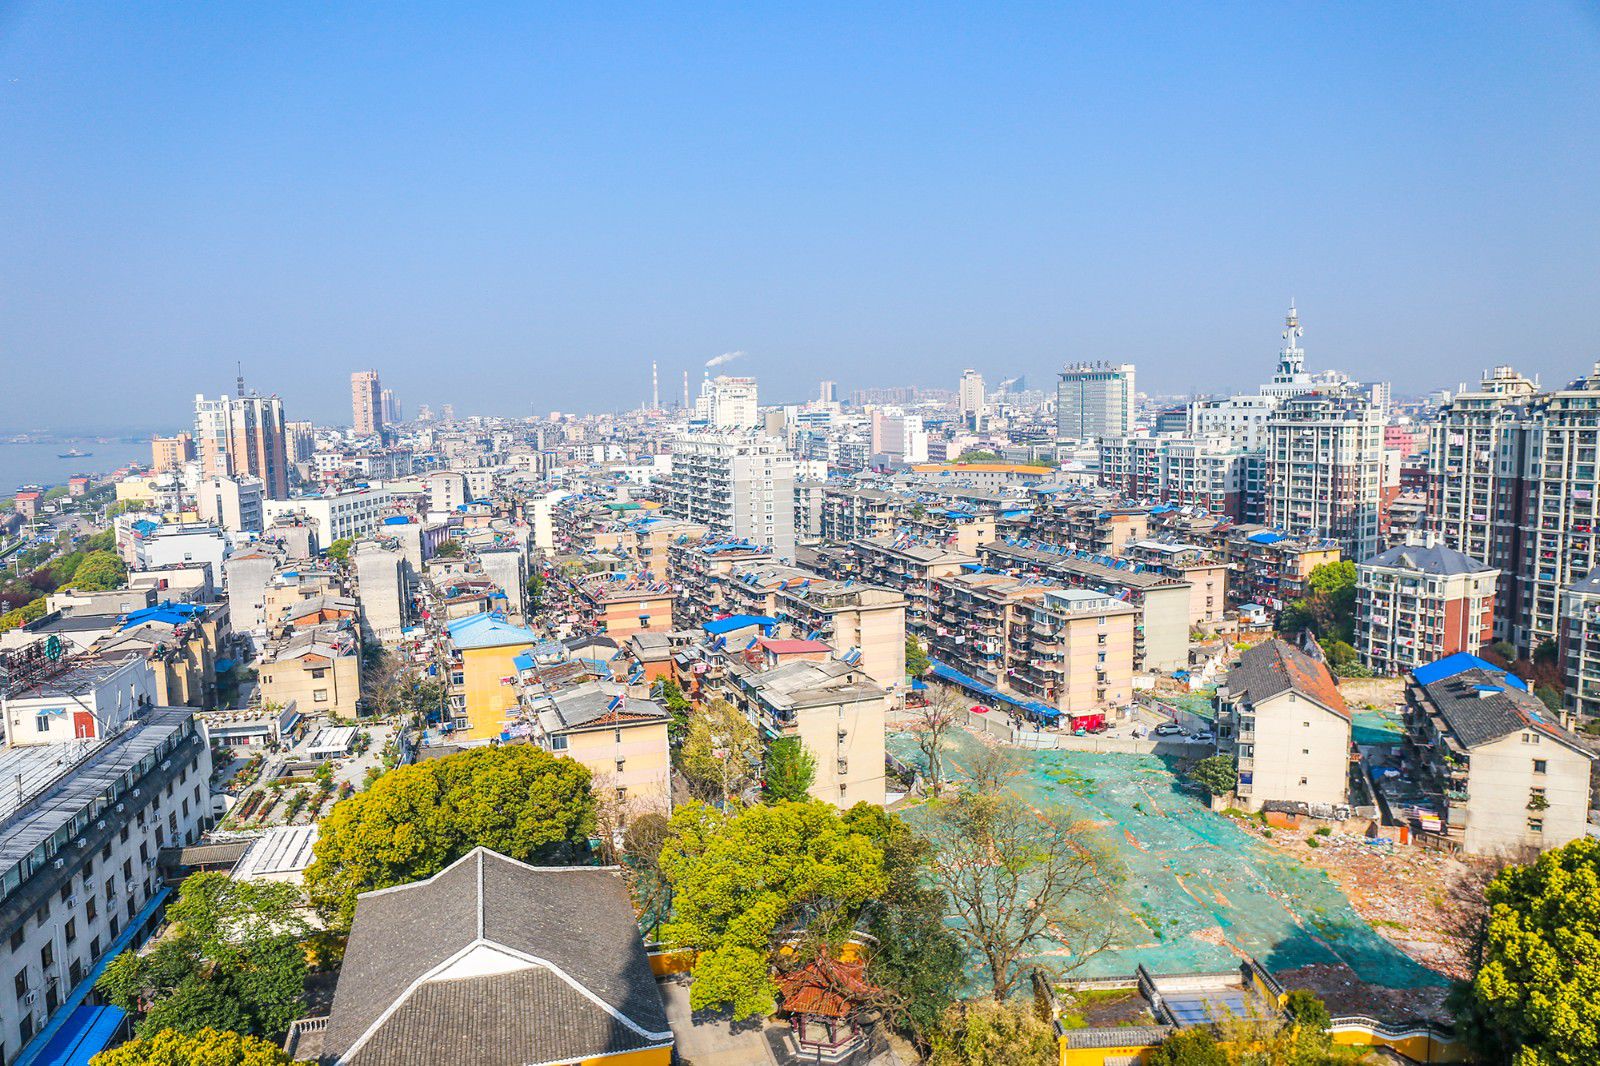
(488, 631)
(1451, 665)
(493, 962)
(1275, 666)
(1479, 708)
(1427, 559)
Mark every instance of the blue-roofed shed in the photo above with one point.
(86, 1032)
(1460, 663)
(735, 622)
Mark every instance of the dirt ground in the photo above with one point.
(1380, 693)
(1427, 903)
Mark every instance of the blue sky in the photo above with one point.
(515, 207)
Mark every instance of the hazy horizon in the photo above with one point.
(515, 210)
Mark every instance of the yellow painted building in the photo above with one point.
(482, 651)
(620, 739)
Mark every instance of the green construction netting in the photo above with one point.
(1376, 727)
(1198, 890)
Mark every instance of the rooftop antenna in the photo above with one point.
(238, 382)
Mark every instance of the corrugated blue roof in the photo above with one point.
(488, 631)
(397, 520)
(972, 684)
(738, 621)
(1266, 536)
(1460, 662)
(84, 1035)
(524, 661)
(173, 614)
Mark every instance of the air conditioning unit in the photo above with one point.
(59, 863)
(29, 997)
(121, 807)
(100, 823)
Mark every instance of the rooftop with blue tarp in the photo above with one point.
(86, 1032)
(734, 622)
(1460, 663)
(972, 684)
(1266, 536)
(173, 614)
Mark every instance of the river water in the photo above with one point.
(37, 464)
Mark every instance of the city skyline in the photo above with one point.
(997, 194)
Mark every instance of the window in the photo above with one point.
(1303, 781)
(66, 890)
(1539, 766)
(47, 955)
(94, 947)
(21, 983)
(558, 743)
(42, 723)
(115, 927)
(42, 915)
(105, 852)
(1536, 825)
(91, 909)
(319, 673)
(320, 695)
(17, 937)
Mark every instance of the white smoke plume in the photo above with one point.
(725, 357)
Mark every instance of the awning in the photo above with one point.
(84, 1035)
(972, 684)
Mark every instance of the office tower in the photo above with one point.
(366, 403)
(738, 483)
(1324, 472)
(828, 392)
(243, 435)
(447, 412)
(1094, 401)
(170, 453)
(390, 406)
(971, 396)
(727, 403)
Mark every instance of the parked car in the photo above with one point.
(1168, 729)
(1204, 736)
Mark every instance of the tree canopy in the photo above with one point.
(1328, 608)
(1217, 774)
(917, 664)
(414, 821)
(721, 751)
(339, 550)
(746, 882)
(233, 960)
(1535, 988)
(100, 570)
(790, 770)
(916, 961)
(993, 1034)
(207, 1047)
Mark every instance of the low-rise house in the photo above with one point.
(1500, 775)
(621, 739)
(316, 669)
(1282, 717)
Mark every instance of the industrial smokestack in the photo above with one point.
(685, 390)
(655, 388)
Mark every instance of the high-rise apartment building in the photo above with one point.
(1420, 601)
(1324, 469)
(1513, 481)
(738, 483)
(389, 405)
(1094, 401)
(828, 392)
(366, 403)
(301, 441)
(243, 435)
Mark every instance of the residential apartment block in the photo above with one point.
(737, 483)
(1324, 469)
(1419, 602)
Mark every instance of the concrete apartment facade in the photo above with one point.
(1281, 716)
(1420, 601)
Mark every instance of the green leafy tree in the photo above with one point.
(1217, 774)
(746, 882)
(1534, 989)
(207, 1047)
(1188, 1047)
(99, 571)
(678, 710)
(233, 960)
(721, 752)
(120, 507)
(790, 770)
(1304, 1008)
(917, 664)
(28, 612)
(978, 455)
(916, 961)
(414, 821)
(339, 550)
(535, 592)
(1549, 696)
(993, 1034)
(448, 549)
